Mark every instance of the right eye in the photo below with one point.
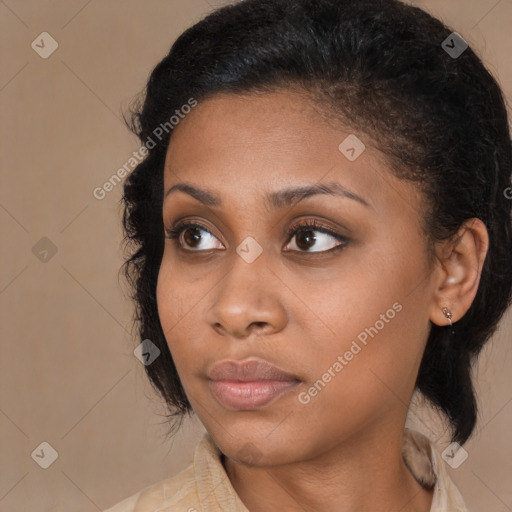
(193, 237)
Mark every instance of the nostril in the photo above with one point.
(258, 325)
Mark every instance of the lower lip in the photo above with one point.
(249, 395)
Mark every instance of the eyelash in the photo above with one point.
(308, 225)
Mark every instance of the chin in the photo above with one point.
(258, 449)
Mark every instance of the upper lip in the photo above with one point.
(249, 371)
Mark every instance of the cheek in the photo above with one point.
(181, 308)
(377, 314)
(176, 302)
(363, 292)
(168, 297)
(374, 368)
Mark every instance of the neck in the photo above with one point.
(367, 473)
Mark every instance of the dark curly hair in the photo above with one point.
(379, 66)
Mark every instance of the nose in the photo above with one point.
(249, 300)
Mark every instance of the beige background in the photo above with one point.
(67, 373)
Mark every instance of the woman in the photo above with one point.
(320, 227)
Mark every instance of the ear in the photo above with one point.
(460, 262)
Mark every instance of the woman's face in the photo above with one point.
(341, 307)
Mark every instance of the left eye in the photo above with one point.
(319, 239)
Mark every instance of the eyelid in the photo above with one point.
(314, 225)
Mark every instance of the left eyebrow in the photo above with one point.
(286, 197)
(280, 199)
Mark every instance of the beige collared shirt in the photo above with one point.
(205, 487)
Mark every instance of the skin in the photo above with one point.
(300, 309)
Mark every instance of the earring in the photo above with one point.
(448, 314)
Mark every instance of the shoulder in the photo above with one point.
(204, 485)
(179, 492)
(175, 493)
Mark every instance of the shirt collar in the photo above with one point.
(429, 469)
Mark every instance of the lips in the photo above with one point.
(249, 385)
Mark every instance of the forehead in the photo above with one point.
(277, 125)
(242, 146)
